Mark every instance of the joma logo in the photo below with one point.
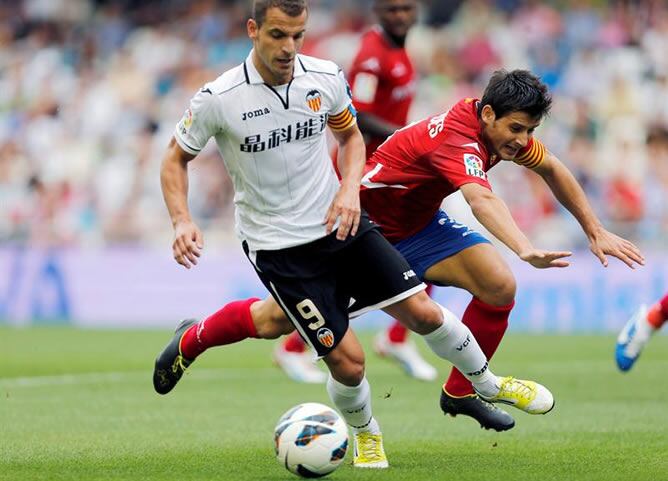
(254, 113)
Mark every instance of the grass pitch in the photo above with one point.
(79, 405)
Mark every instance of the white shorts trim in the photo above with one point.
(390, 301)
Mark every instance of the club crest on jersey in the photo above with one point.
(473, 165)
(325, 337)
(314, 100)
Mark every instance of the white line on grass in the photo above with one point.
(118, 377)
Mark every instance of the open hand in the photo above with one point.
(604, 243)
(544, 259)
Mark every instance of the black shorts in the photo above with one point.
(321, 284)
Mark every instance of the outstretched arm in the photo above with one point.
(346, 204)
(495, 216)
(569, 193)
(188, 241)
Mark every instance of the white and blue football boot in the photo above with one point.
(632, 339)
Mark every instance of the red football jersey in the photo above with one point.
(409, 175)
(382, 81)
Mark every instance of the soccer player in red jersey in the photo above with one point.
(382, 77)
(637, 332)
(407, 178)
(382, 80)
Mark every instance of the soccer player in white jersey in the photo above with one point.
(319, 256)
(383, 83)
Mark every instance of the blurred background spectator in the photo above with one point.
(90, 92)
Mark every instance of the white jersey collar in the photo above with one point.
(254, 77)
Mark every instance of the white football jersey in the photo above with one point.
(273, 143)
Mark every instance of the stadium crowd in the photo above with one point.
(90, 92)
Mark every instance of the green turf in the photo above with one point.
(79, 405)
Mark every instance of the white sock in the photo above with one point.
(454, 342)
(644, 331)
(354, 404)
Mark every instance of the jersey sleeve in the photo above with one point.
(199, 123)
(343, 114)
(365, 75)
(459, 166)
(532, 155)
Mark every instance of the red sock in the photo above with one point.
(294, 343)
(397, 333)
(231, 324)
(488, 324)
(658, 313)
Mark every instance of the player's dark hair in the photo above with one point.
(292, 8)
(516, 91)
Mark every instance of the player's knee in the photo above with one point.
(349, 373)
(429, 317)
(346, 367)
(499, 290)
(422, 315)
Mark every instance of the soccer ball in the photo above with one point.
(311, 440)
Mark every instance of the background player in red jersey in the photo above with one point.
(424, 162)
(637, 332)
(382, 80)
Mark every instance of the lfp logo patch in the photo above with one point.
(325, 337)
(314, 100)
(473, 165)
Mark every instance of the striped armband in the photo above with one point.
(345, 119)
(533, 156)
